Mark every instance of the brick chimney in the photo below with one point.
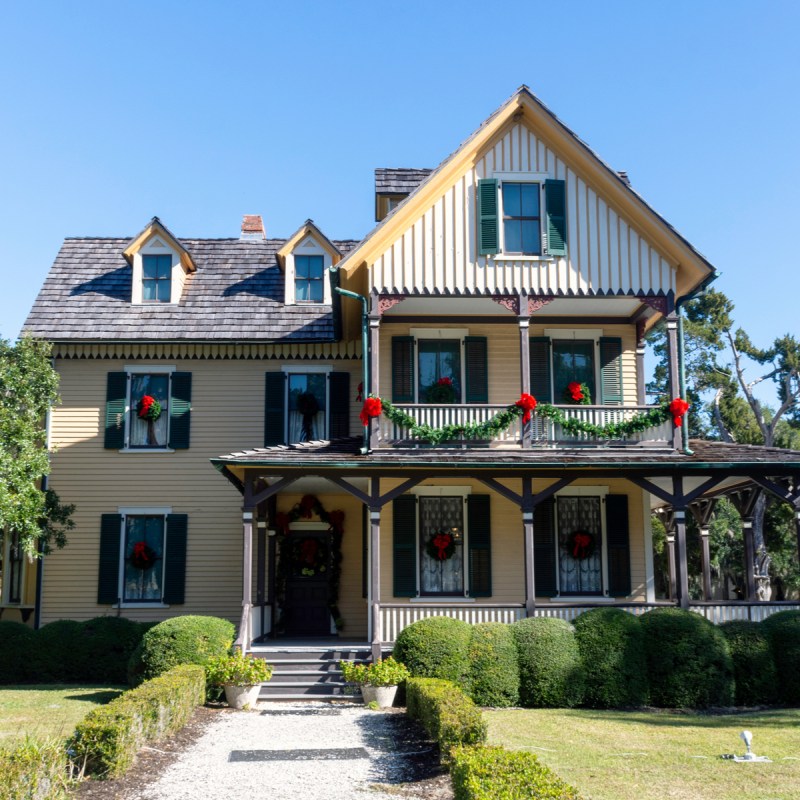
(253, 228)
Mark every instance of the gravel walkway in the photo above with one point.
(313, 751)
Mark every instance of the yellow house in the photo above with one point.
(521, 267)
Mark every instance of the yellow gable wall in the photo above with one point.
(439, 250)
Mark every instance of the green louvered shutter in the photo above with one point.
(555, 200)
(116, 400)
(477, 369)
(544, 548)
(364, 550)
(488, 239)
(540, 368)
(404, 545)
(611, 370)
(175, 559)
(180, 410)
(339, 411)
(480, 545)
(403, 369)
(108, 575)
(275, 409)
(619, 549)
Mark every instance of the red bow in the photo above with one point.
(282, 522)
(372, 408)
(575, 391)
(581, 542)
(336, 520)
(309, 549)
(441, 542)
(444, 382)
(307, 503)
(678, 407)
(144, 405)
(527, 403)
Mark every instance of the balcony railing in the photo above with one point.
(544, 432)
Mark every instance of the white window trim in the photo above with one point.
(585, 491)
(138, 511)
(323, 369)
(140, 369)
(176, 272)
(521, 177)
(5, 601)
(459, 334)
(302, 249)
(576, 334)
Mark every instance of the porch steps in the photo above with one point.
(309, 673)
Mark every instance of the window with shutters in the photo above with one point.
(143, 558)
(441, 545)
(522, 231)
(307, 402)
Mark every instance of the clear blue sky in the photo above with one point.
(199, 112)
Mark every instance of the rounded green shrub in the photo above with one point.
(783, 631)
(180, 640)
(494, 672)
(435, 647)
(688, 660)
(56, 656)
(550, 674)
(16, 643)
(753, 665)
(611, 644)
(106, 645)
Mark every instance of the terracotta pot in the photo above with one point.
(382, 695)
(240, 697)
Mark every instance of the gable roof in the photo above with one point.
(693, 268)
(399, 180)
(157, 228)
(236, 294)
(308, 228)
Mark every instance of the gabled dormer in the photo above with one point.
(305, 259)
(160, 264)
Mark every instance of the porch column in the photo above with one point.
(641, 395)
(527, 529)
(373, 388)
(674, 375)
(243, 641)
(525, 360)
(797, 526)
(749, 559)
(375, 580)
(681, 561)
(705, 558)
(673, 583)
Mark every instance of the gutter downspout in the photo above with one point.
(334, 278)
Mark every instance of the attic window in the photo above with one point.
(156, 278)
(308, 275)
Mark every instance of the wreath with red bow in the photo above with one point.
(578, 393)
(441, 546)
(148, 408)
(580, 545)
(143, 556)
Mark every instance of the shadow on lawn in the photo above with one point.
(715, 718)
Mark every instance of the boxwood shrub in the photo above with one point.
(611, 644)
(34, 769)
(181, 640)
(754, 670)
(56, 656)
(783, 631)
(492, 773)
(688, 660)
(16, 644)
(109, 737)
(436, 647)
(494, 672)
(446, 713)
(107, 644)
(550, 672)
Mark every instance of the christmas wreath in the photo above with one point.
(441, 546)
(580, 545)
(148, 408)
(143, 556)
(442, 391)
(578, 393)
(310, 556)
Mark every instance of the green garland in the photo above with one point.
(503, 420)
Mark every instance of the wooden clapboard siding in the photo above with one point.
(227, 415)
(439, 250)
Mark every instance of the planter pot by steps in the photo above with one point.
(382, 695)
(240, 697)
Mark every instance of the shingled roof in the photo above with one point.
(236, 294)
(399, 180)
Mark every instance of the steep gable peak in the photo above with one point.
(156, 230)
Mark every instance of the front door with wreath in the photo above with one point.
(306, 609)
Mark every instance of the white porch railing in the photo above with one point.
(738, 610)
(396, 616)
(544, 432)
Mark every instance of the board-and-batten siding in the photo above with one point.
(227, 415)
(439, 251)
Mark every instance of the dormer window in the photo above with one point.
(308, 279)
(156, 278)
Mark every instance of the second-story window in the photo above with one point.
(308, 277)
(521, 218)
(307, 404)
(149, 404)
(440, 371)
(156, 279)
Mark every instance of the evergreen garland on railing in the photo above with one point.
(503, 420)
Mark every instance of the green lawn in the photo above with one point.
(47, 711)
(617, 755)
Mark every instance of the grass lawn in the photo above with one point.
(46, 711)
(618, 755)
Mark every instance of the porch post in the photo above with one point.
(525, 360)
(674, 374)
(705, 557)
(673, 587)
(247, 579)
(374, 375)
(641, 395)
(681, 560)
(375, 579)
(749, 559)
(797, 525)
(527, 527)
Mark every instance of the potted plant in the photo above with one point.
(241, 676)
(378, 681)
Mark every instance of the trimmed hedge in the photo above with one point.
(106, 645)
(550, 670)
(16, 643)
(492, 773)
(436, 647)
(56, 656)
(109, 737)
(753, 664)
(34, 769)
(494, 672)
(611, 644)
(180, 640)
(446, 713)
(783, 631)
(688, 660)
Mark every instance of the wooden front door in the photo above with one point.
(306, 611)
